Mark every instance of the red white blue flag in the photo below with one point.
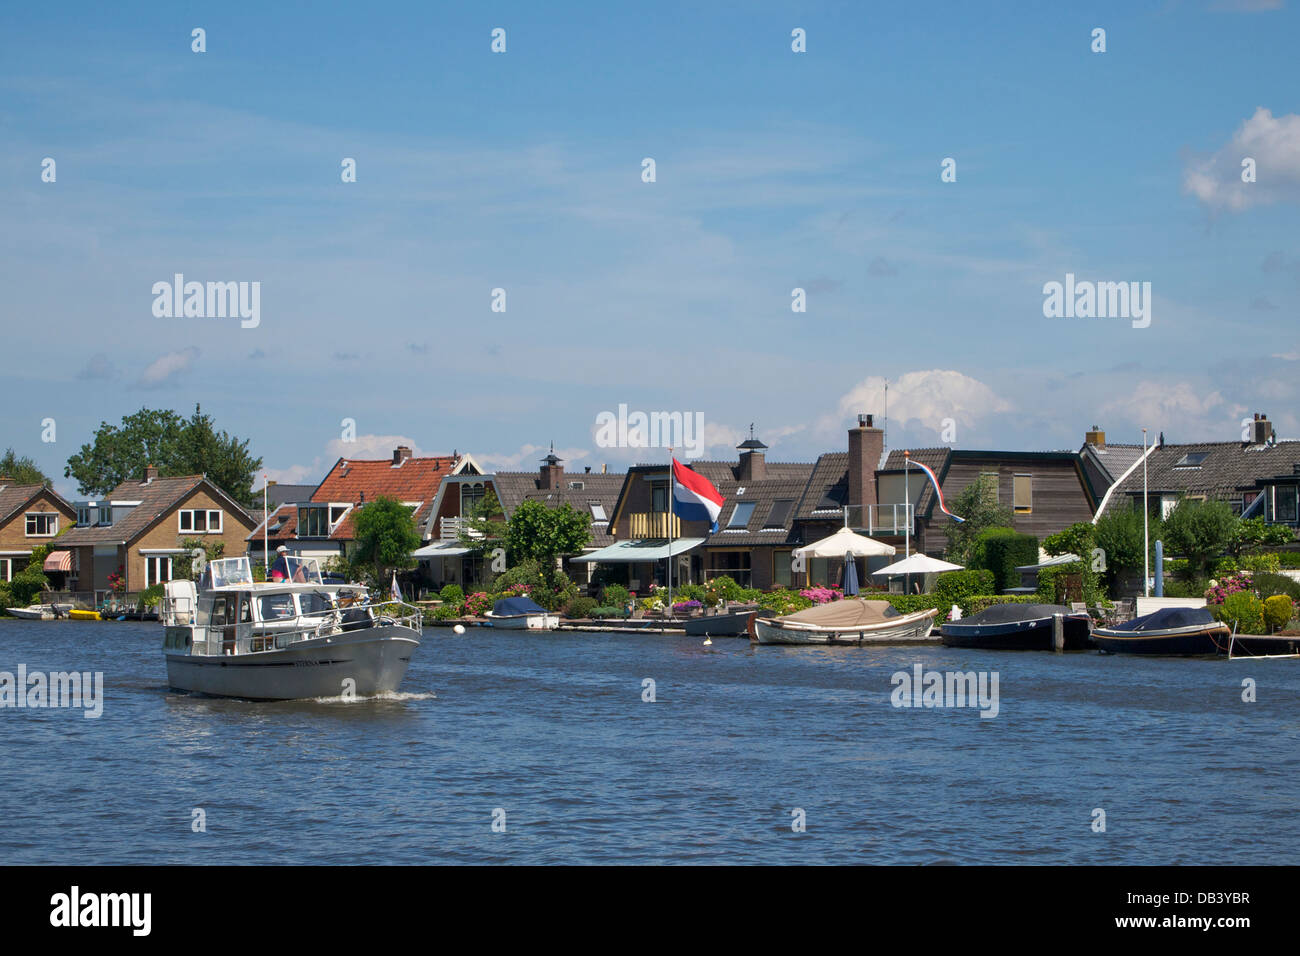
(937, 490)
(694, 497)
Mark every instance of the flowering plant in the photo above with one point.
(820, 595)
(477, 603)
(518, 590)
(687, 606)
(1219, 591)
(117, 580)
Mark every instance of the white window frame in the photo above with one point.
(207, 520)
(27, 524)
(6, 569)
(149, 560)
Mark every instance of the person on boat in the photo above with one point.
(280, 568)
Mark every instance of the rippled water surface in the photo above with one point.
(552, 729)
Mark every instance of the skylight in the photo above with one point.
(740, 516)
(1192, 459)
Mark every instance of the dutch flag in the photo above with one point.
(694, 497)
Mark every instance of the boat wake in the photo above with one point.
(388, 695)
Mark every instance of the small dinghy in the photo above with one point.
(850, 621)
(1182, 631)
(733, 623)
(1018, 627)
(522, 614)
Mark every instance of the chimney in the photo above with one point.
(5, 479)
(866, 445)
(586, 470)
(400, 454)
(1263, 429)
(551, 474)
(753, 460)
(1095, 437)
(150, 473)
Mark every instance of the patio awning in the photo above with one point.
(58, 561)
(442, 549)
(631, 552)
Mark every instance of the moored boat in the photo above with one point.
(1018, 627)
(849, 621)
(520, 614)
(1187, 632)
(730, 624)
(40, 612)
(288, 640)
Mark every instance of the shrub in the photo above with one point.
(477, 604)
(1051, 586)
(152, 595)
(443, 612)
(582, 607)
(721, 589)
(1267, 585)
(1277, 611)
(604, 612)
(783, 601)
(749, 595)
(686, 607)
(689, 592)
(979, 602)
(1179, 588)
(820, 595)
(1219, 591)
(1289, 559)
(452, 594)
(6, 599)
(954, 587)
(1002, 550)
(615, 595)
(26, 585)
(1256, 563)
(1242, 609)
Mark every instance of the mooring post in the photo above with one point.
(1058, 632)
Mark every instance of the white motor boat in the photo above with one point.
(290, 640)
(40, 612)
(850, 621)
(522, 613)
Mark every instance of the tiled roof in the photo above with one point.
(515, 487)
(14, 497)
(1227, 469)
(785, 481)
(355, 482)
(156, 498)
(1113, 459)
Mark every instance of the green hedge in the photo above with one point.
(970, 604)
(1002, 550)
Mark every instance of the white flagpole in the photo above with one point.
(266, 523)
(907, 515)
(1146, 524)
(672, 498)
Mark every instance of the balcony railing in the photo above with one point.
(886, 519)
(449, 529)
(654, 524)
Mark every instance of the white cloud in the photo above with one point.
(297, 474)
(370, 447)
(926, 397)
(1272, 142)
(1177, 407)
(164, 368)
(527, 458)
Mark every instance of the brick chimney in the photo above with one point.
(1261, 429)
(1095, 437)
(753, 460)
(150, 473)
(551, 474)
(866, 445)
(400, 454)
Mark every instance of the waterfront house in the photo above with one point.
(31, 516)
(138, 528)
(446, 560)
(321, 524)
(1258, 476)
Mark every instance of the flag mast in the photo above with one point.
(671, 501)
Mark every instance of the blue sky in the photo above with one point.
(522, 171)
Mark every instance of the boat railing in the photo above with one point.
(259, 636)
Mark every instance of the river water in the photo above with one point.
(550, 737)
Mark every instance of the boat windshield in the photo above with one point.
(314, 602)
(229, 572)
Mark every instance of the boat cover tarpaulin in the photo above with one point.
(851, 612)
(1166, 619)
(512, 607)
(1012, 613)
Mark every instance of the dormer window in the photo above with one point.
(1193, 459)
(313, 521)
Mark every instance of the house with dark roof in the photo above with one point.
(1258, 476)
(320, 525)
(444, 558)
(138, 529)
(30, 516)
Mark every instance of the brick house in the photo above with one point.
(137, 530)
(30, 516)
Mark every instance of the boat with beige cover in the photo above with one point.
(850, 621)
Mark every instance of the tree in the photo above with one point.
(177, 446)
(543, 534)
(1250, 533)
(23, 471)
(978, 504)
(1200, 531)
(483, 527)
(1120, 535)
(385, 537)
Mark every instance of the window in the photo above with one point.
(659, 497)
(199, 520)
(1022, 494)
(1193, 459)
(1284, 509)
(157, 569)
(336, 514)
(6, 569)
(313, 602)
(313, 521)
(41, 524)
(470, 496)
(782, 572)
(576, 486)
(776, 518)
(740, 514)
(83, 516)
(105, 516)
(276, 607)
(597, 511)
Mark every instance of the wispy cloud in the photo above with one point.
(1274, 145)
(165, 368)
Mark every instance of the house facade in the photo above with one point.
(30, 516)
(137, 530)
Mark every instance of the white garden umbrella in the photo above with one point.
(845, 542)
(916, 564)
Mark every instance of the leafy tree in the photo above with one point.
(1079, 538)
(183, 564)
(978, 504)
(1250, 533)
(1119, 534)
(177, 446)
(1200, 531)
(24, 470)
(385, 537)
(484, 526)
(543, 534)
